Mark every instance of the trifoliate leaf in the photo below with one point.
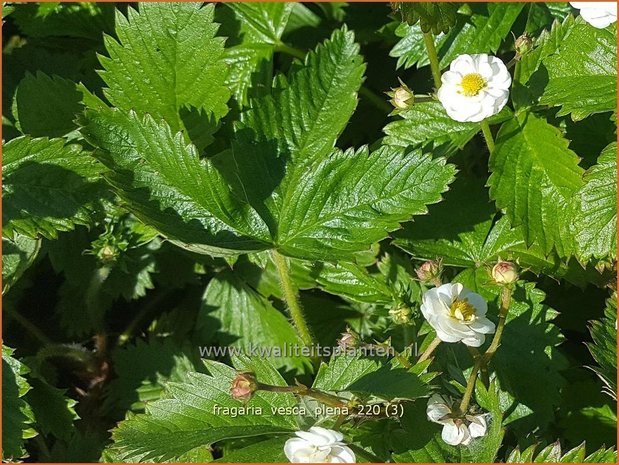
(48, 187)
(604, 346)
(582, 75)
(234, 314)
(596, 211)
(188, 416)
(16, 413)
(309, 217)
(535, 177)
(168, 63)
(18, 254)
(46, 105)
(432, 16)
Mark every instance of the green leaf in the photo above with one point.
(545, 45)
(142, 369)
(53, 410)
(604, 346)
(18, 254)
(432, 16)
(168, 63)
(535, 177)
(268, 451)
(201, 215)
(83, 20)
(596, 216)
(370, 377)
(48, 187)
(420, 440)
(16, 413)
(481, 32)
(554, 454)
(260, 28)
(188, 418)
(427, 125)
(353, 198)
(234, 314)
(582, 75)
(46, 105)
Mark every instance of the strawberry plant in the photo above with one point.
(288, 232)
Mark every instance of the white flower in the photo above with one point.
(475, 87)
(318, 445)
(457, 314)
(455, 430)
(598, 14)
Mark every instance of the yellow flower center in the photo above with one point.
(471, 84)
(462, 310)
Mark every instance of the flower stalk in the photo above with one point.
(428, 40)
(485, 128)
(433, 345)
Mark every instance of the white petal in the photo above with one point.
(330, 435)
(437, 408)
(466, 435)
(475, 340)
(463, 64)
(342, 454)
(483, 325)
(478, 425)
(452, 434)
(295, 448)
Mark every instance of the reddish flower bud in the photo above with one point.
(348, 339)
(244, 386)
(504, 273)
(430, 271)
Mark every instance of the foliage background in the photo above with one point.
(104, 316)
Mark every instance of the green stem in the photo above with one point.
(292, 298)
(377, 101)
(302, 390)
(506, 296)
(288, 50)
(433, 345)
(485, 128)
(428, 40)
(470, 386)
(28, 326)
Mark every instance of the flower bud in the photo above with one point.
(402, 98)
(401, 315)
(108, 254)
(348, 339)
(504, 273)
(244, 386)
(430, 271)
(523, 44)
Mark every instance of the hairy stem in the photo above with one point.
(433, 345)
(292, 298)
(485, 128)
(301, 390)
(506, 296)
(428, 40)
